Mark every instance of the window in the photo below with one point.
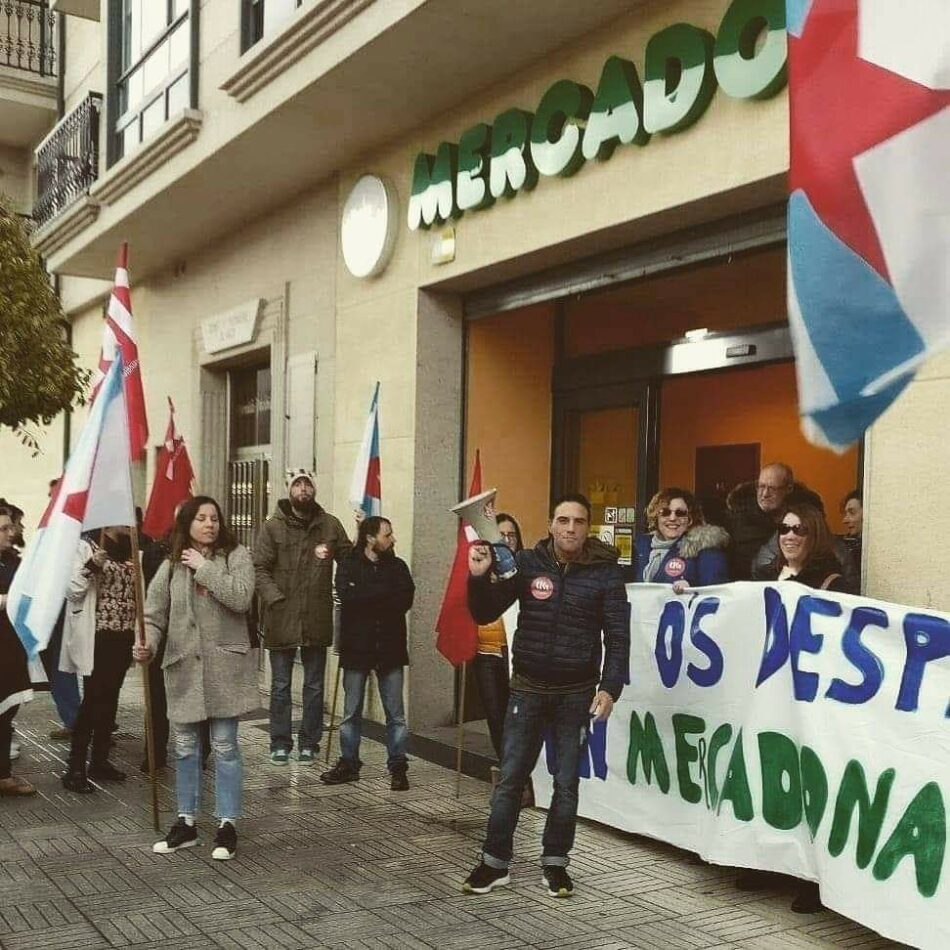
(152, 58)
(250, 408)
(263, 17)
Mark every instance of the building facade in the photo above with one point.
(553, 232)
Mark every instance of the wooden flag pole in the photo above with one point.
(461, 735)
(146, 682)
(336, 693)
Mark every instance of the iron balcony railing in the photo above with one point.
(28, 36)
(67, 160)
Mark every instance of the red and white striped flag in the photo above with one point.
(118, 334)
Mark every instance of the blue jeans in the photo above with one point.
(564, 717)
(228, 770)
(397, 732)
(281, 677)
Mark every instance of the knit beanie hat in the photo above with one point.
(295, 474)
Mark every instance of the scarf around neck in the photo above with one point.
(659, 548)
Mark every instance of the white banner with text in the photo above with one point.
(778, 727)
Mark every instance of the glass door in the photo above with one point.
(604, 447)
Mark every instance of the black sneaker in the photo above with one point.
(181, 835)
(558, 882)
(75, 781)
(106, 772)
(400, 782)
(225, 843)
(340, 773)
(484, 879)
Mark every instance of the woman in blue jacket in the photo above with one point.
(681, 549)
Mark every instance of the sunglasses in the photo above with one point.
(674, 513)
(799, 530)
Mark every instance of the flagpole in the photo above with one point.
(146, 683)
(461, 735)
(336, 692)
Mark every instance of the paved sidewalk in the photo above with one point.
(356, 866)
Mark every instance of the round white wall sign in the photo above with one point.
(368, 226)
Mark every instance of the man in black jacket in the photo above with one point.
(375, 591)
(570, 590)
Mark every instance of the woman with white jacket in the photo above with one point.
(100, 625)
(197, 604)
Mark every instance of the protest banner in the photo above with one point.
(778, 727)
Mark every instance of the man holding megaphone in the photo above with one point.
(572, 610)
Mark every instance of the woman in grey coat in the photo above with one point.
(198, 604)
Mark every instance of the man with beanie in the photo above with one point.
(571, 593)
(293, 561)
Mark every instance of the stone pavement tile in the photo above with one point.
(840, 932)
(616, 915)
(800, 940)
(683, 901)
(214, 917)
(124, 930)
(292, 903)
(30, 915)
(664, 935)
(626, 882)
(284, 936)
(346, 925)
(138, 900)
(733, 923)
(477, 935)
(38, 888)
(80, 936)
(204, 891)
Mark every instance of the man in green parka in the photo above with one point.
(293, 561)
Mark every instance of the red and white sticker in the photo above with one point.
(542, 588)
(675, 567)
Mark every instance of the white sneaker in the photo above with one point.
(14, 749)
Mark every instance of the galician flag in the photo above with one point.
(366, 488)
(118, 336)
(94, 492)
(173, 478)
(869, 212)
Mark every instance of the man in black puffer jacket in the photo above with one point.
(570, 592)
(375, 591)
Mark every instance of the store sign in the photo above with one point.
(234, 327)
(683, 66)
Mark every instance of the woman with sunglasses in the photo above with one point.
(681, 549)
(806, 552)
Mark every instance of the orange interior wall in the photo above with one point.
(508, 411)
(749, 405)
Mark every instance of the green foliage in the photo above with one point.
(39, 377)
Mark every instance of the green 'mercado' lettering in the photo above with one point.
(555, 133)
(678, 78)
(682, 65)
(616, 117)
(432, 178)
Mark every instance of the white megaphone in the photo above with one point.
(474, 511)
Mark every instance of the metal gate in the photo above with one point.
(248, 497)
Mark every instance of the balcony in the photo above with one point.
(67, 164)
(27, 71)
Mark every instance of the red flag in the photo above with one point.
(172, 485)
(119, 334)
(458, 632)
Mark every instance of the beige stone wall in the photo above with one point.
(905, 517)
(16, 178)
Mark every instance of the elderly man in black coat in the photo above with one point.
(375, 591)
